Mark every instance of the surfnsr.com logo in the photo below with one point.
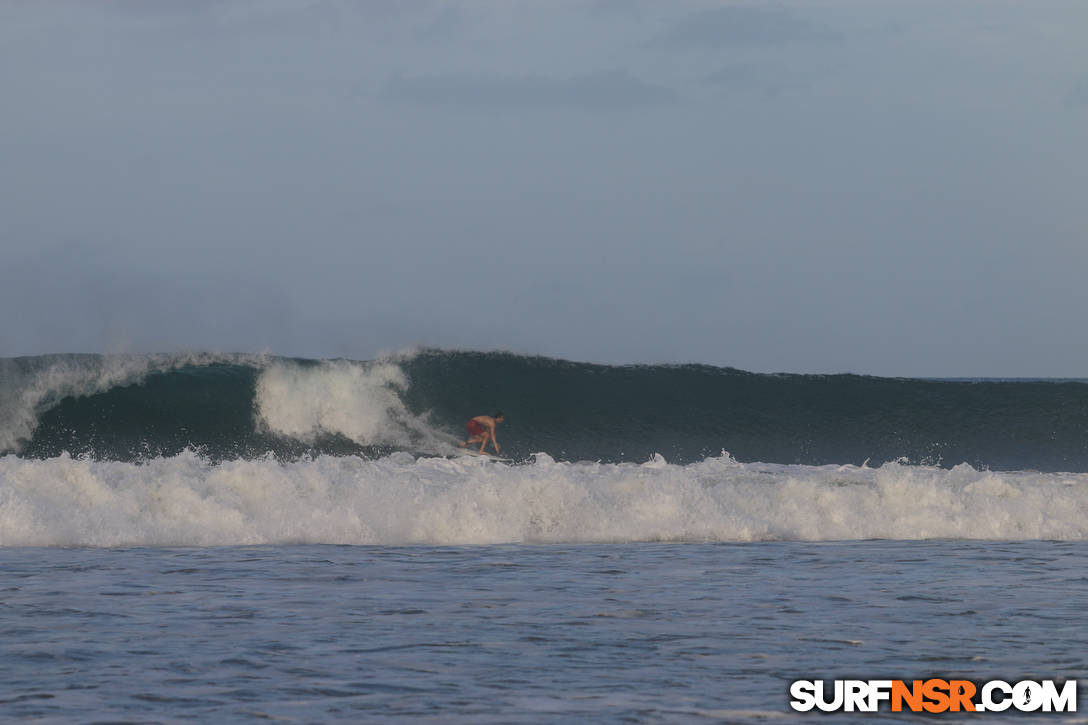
(933, 695)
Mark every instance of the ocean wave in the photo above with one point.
(137, 408)
(30, 386)
(188, 500)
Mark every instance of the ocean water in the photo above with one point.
(237, 538)
(617, 633)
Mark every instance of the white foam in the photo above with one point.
(186, 500)
(357, 400)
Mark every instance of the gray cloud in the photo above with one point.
(605, 90)
(339, 177)
(153, 8)
(739, 25)
(612, 9)
(1078, 94)
(446, 24)
(761, 78)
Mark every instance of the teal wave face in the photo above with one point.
(246, 407)
(688, 412)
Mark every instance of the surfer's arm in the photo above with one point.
(494, 440)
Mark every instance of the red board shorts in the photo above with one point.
(475, 428)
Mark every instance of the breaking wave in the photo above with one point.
(227, 407)
(188, 500)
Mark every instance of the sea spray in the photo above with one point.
(360, 402)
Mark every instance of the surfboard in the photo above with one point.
(477, 454)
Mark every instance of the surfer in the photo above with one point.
(481, 429)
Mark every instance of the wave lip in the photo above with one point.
(31, 385)
(188, 500)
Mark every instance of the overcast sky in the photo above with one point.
(894, 188)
